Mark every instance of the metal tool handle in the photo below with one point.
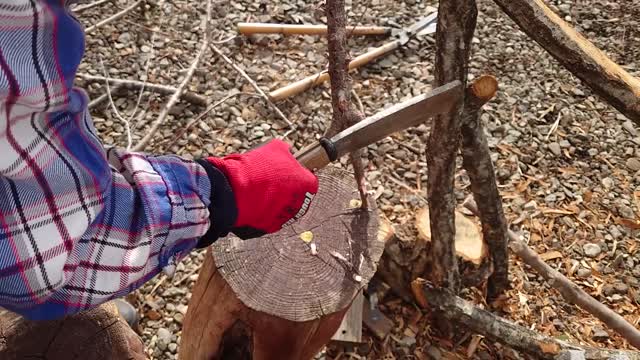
(317, 156)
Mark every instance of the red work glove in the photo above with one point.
(257, 192)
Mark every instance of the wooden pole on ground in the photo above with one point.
(283, 296)
(577, 54)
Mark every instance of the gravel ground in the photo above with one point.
(568, 164)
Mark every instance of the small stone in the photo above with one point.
(628, 125)
(592, 250)
(554, 147)
(434, 353)
(607, 182)
(565, 144)
(164, 338)
(600, 335)
(621, 288)
(531, 205)
(173, 347)
(592, 152)
(178, 317)
(583, 273)
(633, 164)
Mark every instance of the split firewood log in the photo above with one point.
(283, 296)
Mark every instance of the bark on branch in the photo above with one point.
(570, 291)
(577, 54)
(506, 332)
(344, 113)
(477, 162)
(458, 18)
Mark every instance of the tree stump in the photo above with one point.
(96, 334)
(283, 296)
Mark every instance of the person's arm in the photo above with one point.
(80, 225)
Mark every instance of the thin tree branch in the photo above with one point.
(204, 113)
(569, 290)
(251, 82)
(80, 8)
(344, 113)
(176, 96)
(126, 123)
(476, 158)
(193, 98)
(113, 17)
(506, 332)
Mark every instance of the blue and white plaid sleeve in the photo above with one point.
(79, 224)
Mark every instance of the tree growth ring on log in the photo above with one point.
(278, 274)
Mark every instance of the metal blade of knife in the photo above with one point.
(399, 117)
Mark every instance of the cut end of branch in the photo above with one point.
(469, 243)
(385, 229)
(485, 87)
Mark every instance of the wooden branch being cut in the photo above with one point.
(456, 25)
(506, 332)
(570, 291)
(577, 54)
(345, 113)
(187, 77)
(477, 162)
(193, 98)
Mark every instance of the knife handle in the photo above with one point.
(317, 156)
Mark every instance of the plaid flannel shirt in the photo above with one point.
(79, 224)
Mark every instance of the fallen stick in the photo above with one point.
(113, 17)
(476, 160)
(81, 8)
(577, 54)
(187, 77)
(506, 332)
(193, 98)
(102, 98)
(252, 83)
(570, 291)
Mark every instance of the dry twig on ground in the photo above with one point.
(114, 17)
(251, 82)
(515, 336)
(193, 98)
(80, 8)
(344, 113)
(569, 290)
(187, 77)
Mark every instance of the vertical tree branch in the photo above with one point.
(477, 162)
(456, 25)
(344, 113)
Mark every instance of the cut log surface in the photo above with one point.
(278, 274)
(272, 298)
(468, 241)
(96, 334)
